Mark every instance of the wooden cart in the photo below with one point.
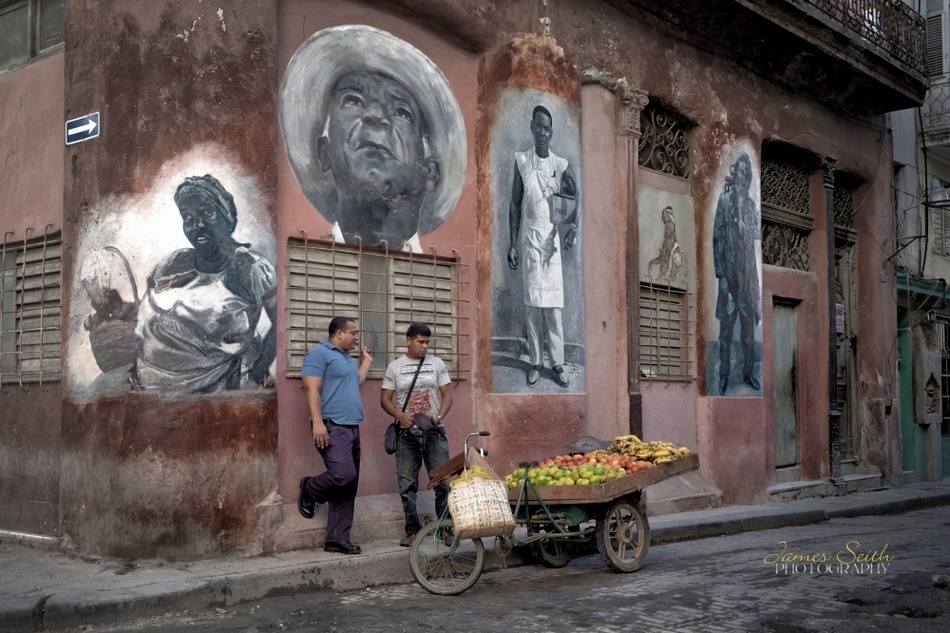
(556, 521)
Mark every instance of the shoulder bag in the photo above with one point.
(389, 442)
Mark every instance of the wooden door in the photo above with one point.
(785, 358)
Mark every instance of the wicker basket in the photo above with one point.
(480, 508)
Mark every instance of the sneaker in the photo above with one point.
(406, 541)
(305, 504)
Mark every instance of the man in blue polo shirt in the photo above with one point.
(331, 382)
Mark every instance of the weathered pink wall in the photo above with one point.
(31, 98)
(32, 148)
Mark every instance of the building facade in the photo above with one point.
(618, 217)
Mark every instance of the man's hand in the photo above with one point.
(366, 356)
(321, 436)
(570, 236)
(513, 258)
(405, 419)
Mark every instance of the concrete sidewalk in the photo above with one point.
(44, 588)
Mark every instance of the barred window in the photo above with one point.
(30, 314)
(29, 28)
(384, 291)
(940, 217)
(664, 142)
(665, 343)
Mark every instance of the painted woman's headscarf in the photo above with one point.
(208, 187)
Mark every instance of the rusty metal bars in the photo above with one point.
(30, 309)
(384, 290)
(666, 333)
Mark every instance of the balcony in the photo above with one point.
(861, 57)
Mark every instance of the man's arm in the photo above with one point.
(389, 406)
(514, 218)
(311, 388)
(569, 188)
(366, 359)
(446, 406)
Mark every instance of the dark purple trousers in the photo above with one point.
(337, 486)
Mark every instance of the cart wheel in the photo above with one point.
(441, 568)
(623, 536)
(556, 552)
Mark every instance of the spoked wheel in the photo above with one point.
(623, 536)
(445, 566)
(556, 552)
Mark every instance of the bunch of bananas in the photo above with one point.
(472, 472)
(656, 452)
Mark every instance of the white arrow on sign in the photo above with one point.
(82, 129)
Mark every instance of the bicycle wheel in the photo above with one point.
(445, 566)
(623, 536)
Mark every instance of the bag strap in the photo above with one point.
(413, 385)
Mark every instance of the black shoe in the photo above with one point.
(560, 376)
(752, 382)
(723, 385)
(305, 504)
(342, 547)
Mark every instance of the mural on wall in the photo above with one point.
(374, 135)
(737, 255)
(537, 311)
(666, 237)
(177, 288)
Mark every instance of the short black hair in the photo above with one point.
(339, 323)
(418, 329)
(542, 110)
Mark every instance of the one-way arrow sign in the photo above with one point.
(82, 129)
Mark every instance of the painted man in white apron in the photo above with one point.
(542, 202)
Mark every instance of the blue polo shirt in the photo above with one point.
(340, 394)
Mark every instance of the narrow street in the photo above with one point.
(870, 573)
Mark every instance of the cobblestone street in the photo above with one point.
(877, 576)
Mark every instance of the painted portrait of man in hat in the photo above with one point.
(374, 136)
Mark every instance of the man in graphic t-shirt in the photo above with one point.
(421, 438)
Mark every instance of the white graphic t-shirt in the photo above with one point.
(426, 397)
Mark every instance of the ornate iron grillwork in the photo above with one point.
(784, 246)
(844, 208)
(664, 143)
(785, 186)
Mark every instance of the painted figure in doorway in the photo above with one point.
(543, 204)
(198, 327)
(374, 136)
(735, 232)
(671, 263)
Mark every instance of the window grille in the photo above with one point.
(943, 337)
(786, 215)
(935, 45)
(664, 142)
(940, 218)
(30, 310)
(29, 28)
(665, 339)
(384, 291)
(844, 208)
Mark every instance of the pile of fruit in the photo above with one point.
(627, 455)
(656, 452)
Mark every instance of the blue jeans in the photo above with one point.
(412, 450)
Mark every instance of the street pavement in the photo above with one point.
(47, 588)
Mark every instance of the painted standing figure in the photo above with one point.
(542, 185)
(196, 329)
(735, 231)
